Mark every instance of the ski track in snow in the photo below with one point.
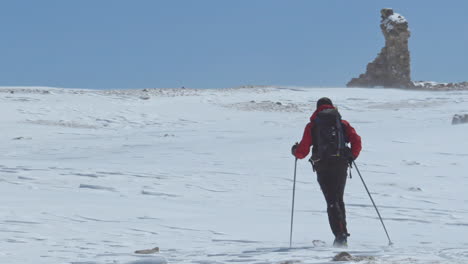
(88, 177)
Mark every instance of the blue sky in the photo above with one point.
(108, 44)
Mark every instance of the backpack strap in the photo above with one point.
(345, 128)
(341, 139)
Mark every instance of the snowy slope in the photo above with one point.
(206, 175)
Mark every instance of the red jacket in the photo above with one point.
(304, 147)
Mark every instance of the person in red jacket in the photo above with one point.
(331, 167)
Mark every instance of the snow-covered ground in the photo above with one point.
(206, 175)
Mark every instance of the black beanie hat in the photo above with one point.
(324, 101)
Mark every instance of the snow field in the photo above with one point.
(206, 175)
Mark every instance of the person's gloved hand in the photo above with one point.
(293, 149)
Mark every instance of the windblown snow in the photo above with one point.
(89, 177)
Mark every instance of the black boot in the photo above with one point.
(341, 241)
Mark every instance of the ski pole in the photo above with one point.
(292, 210)
(375, 206)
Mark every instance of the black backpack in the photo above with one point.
(328, 135)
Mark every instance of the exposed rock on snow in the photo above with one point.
(31, 90)
(460, 119)
(345, 256)
(148, 251)
(61, 123)
(147, 93)
(342, 256)
(268, 106)
(426, 85)
(415, 189)
(391, 68)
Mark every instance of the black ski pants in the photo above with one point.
(331, 175)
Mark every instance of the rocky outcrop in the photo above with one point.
(345, 256)
(460, 119)
(391, 68)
